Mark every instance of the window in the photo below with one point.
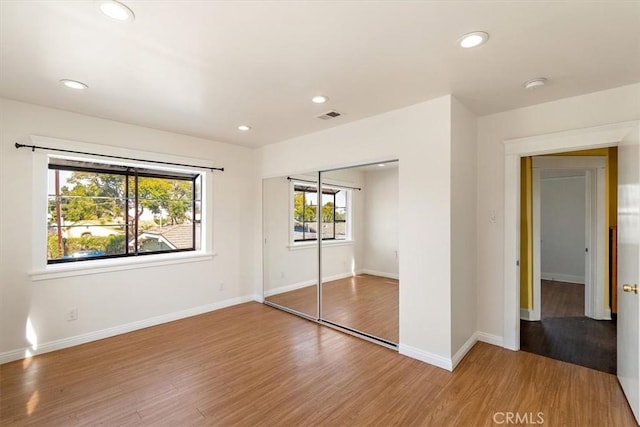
(334, 213)
(98, 210)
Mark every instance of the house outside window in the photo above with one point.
(102, 210)
(334, 211)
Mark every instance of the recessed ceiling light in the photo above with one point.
(116, 10)
(381, 165)
(319, 99)
(73, 84)
(473, 39)
(535, 83)
(244, 128)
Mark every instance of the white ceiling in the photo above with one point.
(204, 67)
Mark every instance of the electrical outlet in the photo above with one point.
(222, 286)
(72, 314)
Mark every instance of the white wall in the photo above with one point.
(111, 301)
(420, 137)
(562, 228)
(463, 229)
(284, 269)
(288, 267)
(610, 106)
(380, 234)
(341, 260)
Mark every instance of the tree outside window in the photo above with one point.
(100, 210)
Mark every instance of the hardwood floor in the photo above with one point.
(564, 333)
(561, 299)
(366, 303)
(253, 365)
(304, 300)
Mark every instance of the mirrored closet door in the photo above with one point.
(359, 247)
(290, 249)
(340, 226)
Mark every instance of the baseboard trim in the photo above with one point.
(529, 315)
(490, 339)
(603, 314)
(289, 288)
(425, 356)
(450, 364)
(526, 314)
(395, 276)
(559, 277)
(304, 284)
(462, 351)
(60, 344)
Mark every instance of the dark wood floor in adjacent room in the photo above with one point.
(564, 333)
(252, 365)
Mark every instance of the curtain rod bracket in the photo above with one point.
(33, 149)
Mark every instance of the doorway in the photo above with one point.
(566, 311)
(625, 136)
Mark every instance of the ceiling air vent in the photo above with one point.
(329, 115)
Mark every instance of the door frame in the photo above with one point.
(595, 263)
(578, 139)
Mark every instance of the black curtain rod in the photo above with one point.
(328, 185)
(34, 147)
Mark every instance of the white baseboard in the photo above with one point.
(304, 284)
(450, 364)
(258, 298)
(462, 351)
(562, 277)
(380, 274)
(603, 314)
(526, 314)
(47, 347)
(289, 288)
(529, 315)
(490, 339)
(425, 356)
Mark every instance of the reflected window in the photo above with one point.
(334, 212)
(99, 210)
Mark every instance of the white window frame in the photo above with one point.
(293, 244)
(40, 168)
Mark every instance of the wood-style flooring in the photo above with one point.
(365, 303)
(254, 365)
(561, 299)
(303, 300)
(564, 333)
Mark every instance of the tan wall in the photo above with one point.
(526, 234)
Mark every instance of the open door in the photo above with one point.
(629, 269)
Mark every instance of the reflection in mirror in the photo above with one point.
(360, 249)
(289, 208)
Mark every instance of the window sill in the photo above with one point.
(314, 244)
(82, 268)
